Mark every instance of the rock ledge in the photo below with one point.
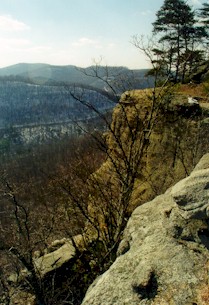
(164, 255)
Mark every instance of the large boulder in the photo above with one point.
(164, 255)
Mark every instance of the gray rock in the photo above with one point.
(192, 194)
(59, 253)
(164, 257)
(203, 163)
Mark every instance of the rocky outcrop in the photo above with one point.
(164, 255)
(58, 254)
(177, 141)
(50, 265)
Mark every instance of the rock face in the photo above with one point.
(164, 255)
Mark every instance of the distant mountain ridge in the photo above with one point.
(36, 103)
(46, 73)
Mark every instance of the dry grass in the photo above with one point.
(198, 91)
(195, 90)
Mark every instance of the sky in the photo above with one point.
(76, 32)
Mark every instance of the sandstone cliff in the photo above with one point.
(175, 142)
(164, 255)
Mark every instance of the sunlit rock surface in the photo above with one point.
(164, 255)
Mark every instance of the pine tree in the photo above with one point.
(204, 14)
(178, 34)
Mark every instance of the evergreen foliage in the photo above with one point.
(204, 14)
(180, 37)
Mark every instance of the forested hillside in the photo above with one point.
(39, 101)
(23, 103)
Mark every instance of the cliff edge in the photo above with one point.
(164, 255)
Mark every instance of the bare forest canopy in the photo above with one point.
(23, 103)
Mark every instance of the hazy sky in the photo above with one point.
(76, 32)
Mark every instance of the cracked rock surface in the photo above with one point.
(164, 255)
